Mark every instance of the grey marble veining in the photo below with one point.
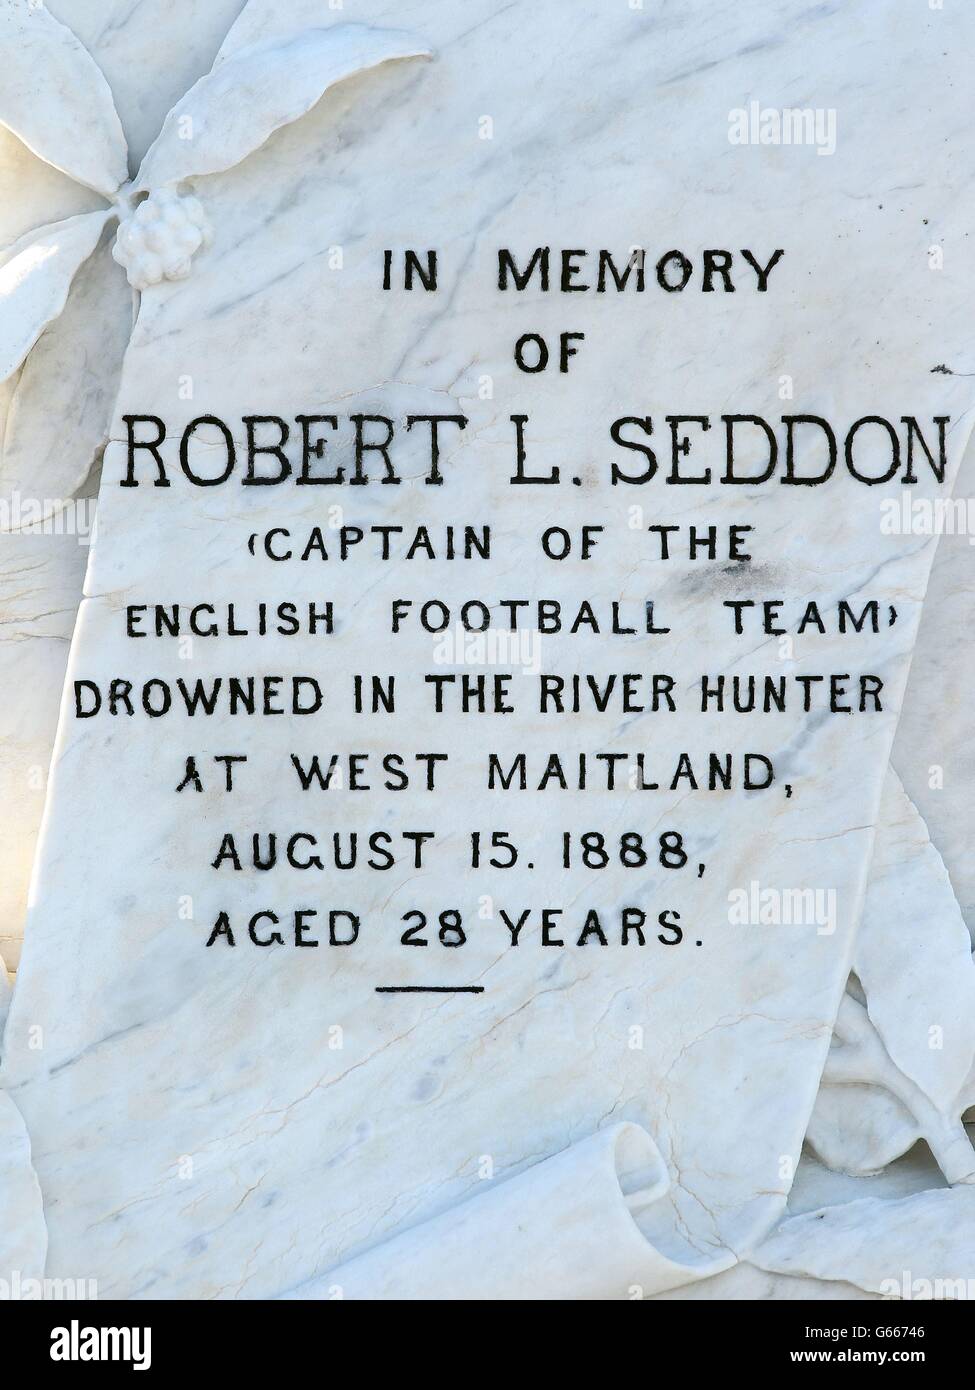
(239, 1122)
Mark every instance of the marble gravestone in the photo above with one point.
(471, 863)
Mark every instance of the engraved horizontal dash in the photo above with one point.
(429, 989)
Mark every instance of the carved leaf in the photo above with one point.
(67, 388)
(914, 956)
(859, 1129)
(54, 97)
(905, 1031)
(858, 1124)
(5, 993)
(23, 1233)
(261, 21)
(915, 1247)
(232, 111)
(35, 280)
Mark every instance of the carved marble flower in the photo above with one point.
(160, 239)
(59, 281)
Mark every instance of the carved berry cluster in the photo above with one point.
(161, 237)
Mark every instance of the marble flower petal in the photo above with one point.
(67, 388)
(913, 955)
(54, 97)
(906, 1248)
(263, 86)
(35, 280)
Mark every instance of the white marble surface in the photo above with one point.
(904, 1248)
(933, 751)
(40, 577)
(195, 1129)
(23, 1233)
